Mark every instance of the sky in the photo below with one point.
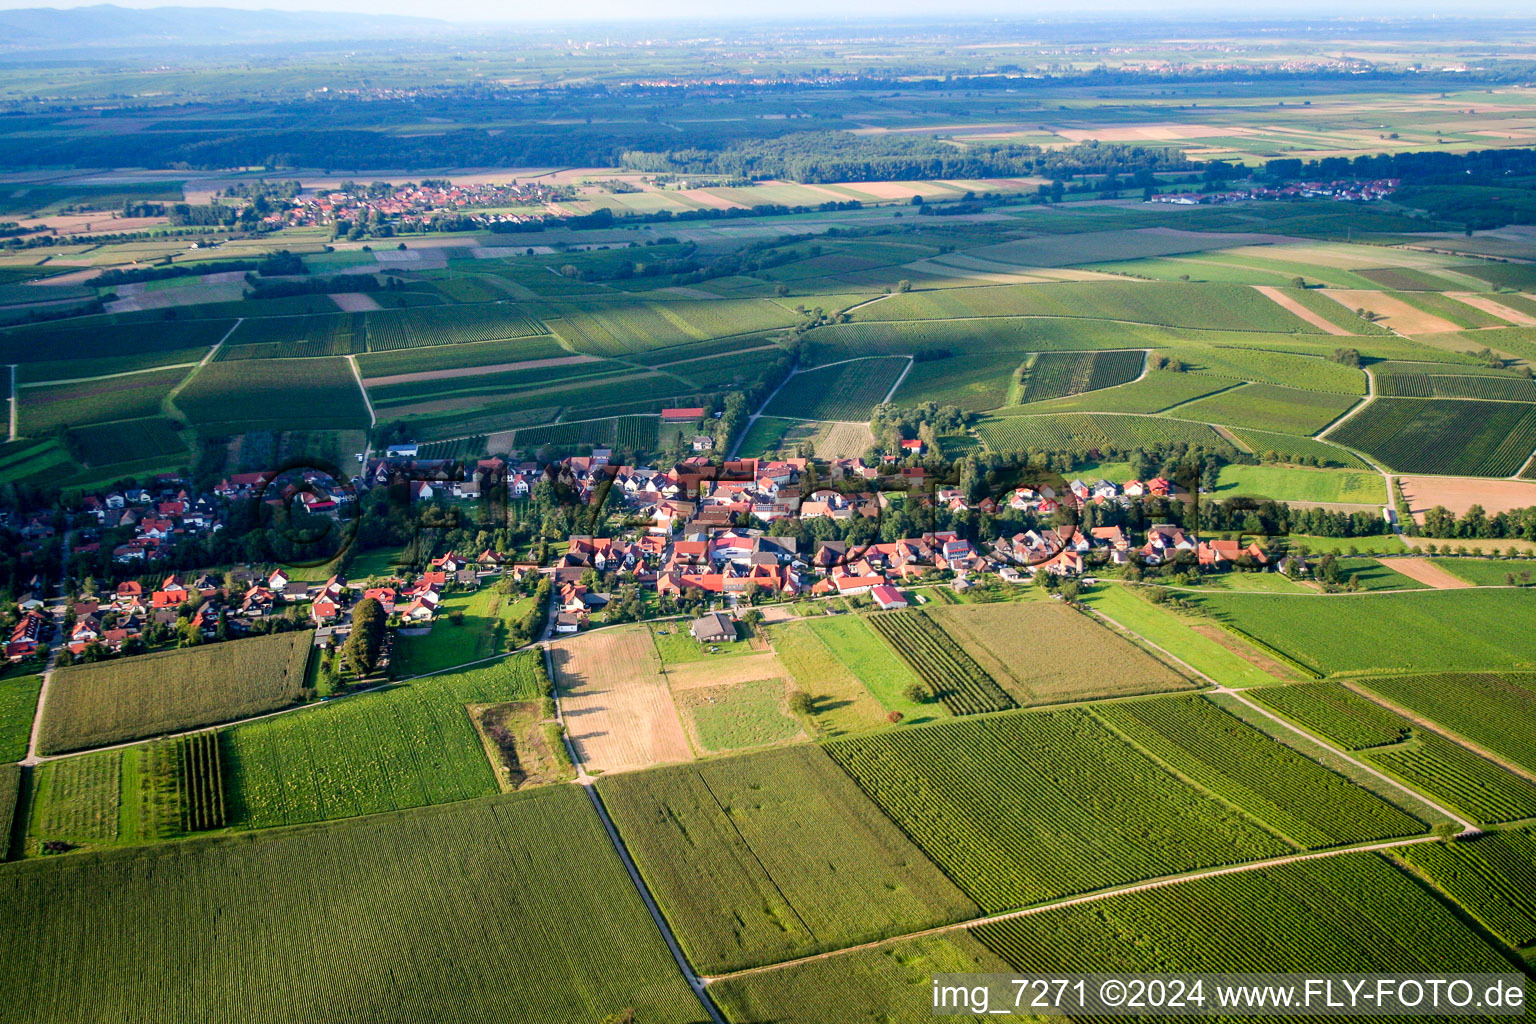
(638, 10)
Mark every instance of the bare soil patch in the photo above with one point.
(618, 709)
(1289, 304)
(354, 302)
(718, 671)
(1427, 573)
(1394, 313)
(1460, 493)
(1494, 307)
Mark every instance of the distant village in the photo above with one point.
(1343, 191)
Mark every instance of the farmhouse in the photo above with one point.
(714, 628)
(887, 598)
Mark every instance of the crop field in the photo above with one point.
(888, 983)
(459, 448)
(1457, 438)
(112, 701)
(1486, 572)
(457, 357)
(1156, 391)
(1059, 374)
(952, 675)
(1496, 712)
(200, 781)
(107, 337)
(261, 394)
(1070, 431)
(18, 703)
(320, 334)
(1295, 797)
(103, 444)
(1213, 307)
(1249, 359)
(1300, 451)
(1331, 710)
(1428, 630)
(1163, 626)
(403, 746)
(772, 856)
(1425, 385)
(1492, 877)
(620, 328)
(841, 704)
(10, 791)
(619, 709)
(1473, 785)
(1459, 313)
(77, 799)
(1354, 912)
(1268, 407)
(495, 874)
(391, 329)
(1047, 653)
(847, 392)
(45, 408)
(1026, 807)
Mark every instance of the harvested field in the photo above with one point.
(723, 671)
(617, 706)
(1290, 304)
(1494, 307)
(1428, 573)
(844, 441)
(1047, 653)
(355, 302)
(1394, 312)
(1457, 494)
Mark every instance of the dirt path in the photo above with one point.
(1289, 304)
(357, 375)
(1427, 573)
(475, 371)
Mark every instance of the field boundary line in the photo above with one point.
(752, 420)
(1092, 897)
(911, 362)
(106, 376)
(15, 401)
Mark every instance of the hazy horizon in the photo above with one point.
(628, 12)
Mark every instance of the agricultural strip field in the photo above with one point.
(1485, 572)
(621, 328)
(1301, 451)
(1213, 307)
(1492, 877)
(274, 394)
(846, 392)
(18, 703)
(840, 703)
(1297, 798)
(392, 329)
(1156, 391)
(112, 701)
(618, 708)
(1047, 653)
(84, 342)
(428, 893)
(1445, 436)
(1073, 431)
(1026, 807)
(1444, 630)
(319, 334)
(458, 357)
(402, 746)
(1059, 374)
(631, 432)
(772, 856)
(1434, 385)
(1235, 358)
(952, 676)
(1168, 631)
(1267, 407)
(1353, 912)
(1496, 712)
(45, 408)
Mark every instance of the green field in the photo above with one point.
(44, 409)
(1284, 483)
(274, 394)
(950, 674)
(1026, 807)
(1167, 630)
(1447, 436)
(1444, 630)
(106, 444)
(1078, 431)
(1493, 877)
(1268, 407)
(1353, 913)
(1333, 711)
(1462, 780)
(1297, 450)
(1497, 712)
(861, 651)
(1298, 799)
(470, 625)
(772, 856)
(402, 746)
(847, 392)
(1487, 572)
(434, 900)
(18, 703)
(125, 699)
(1050, 375)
